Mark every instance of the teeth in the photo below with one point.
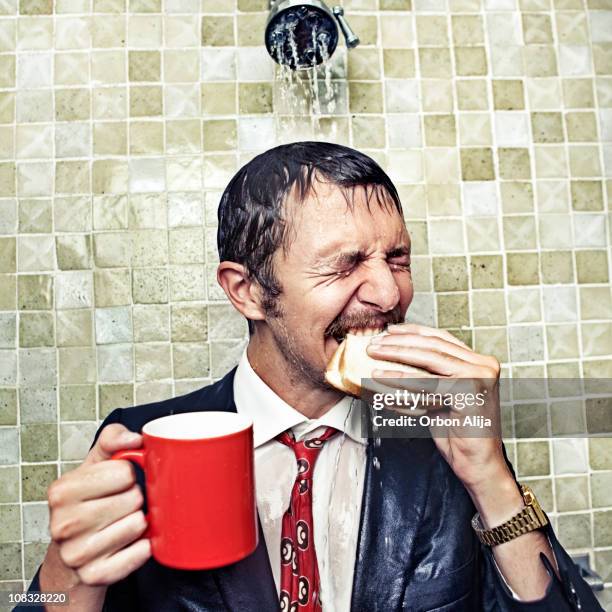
(367, 331)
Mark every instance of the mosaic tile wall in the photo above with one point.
(122, 120)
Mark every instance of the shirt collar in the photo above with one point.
(271, 415)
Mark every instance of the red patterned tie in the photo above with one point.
(299, 569)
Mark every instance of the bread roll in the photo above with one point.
(350, 363)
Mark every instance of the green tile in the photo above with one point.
(399, 63)
(35, 216)
(557, 267)
(522, 268)
(189, 323)
(33, 555)
(435, 62)
(602, 528)
(598, 415)
(572, 493)
(8, 330)
(74, 327)
(77, 402)
(7, 255)
(508, 94)
(144, 65)
(532, 458)
(537, 28)
(492, 341)
(395, 5)
(250, 28)
(112, 288)
(36, 329)
(470, 61)
(253, 5)
(477, 164)
(603, 564)
(8, 406)
(217, 31)
(488, 308)
(592, 266)
(487, 271)
(114, 396)
(255, 98)
(601, 489)
(574, 530)
(450, 274)
(442, 201)
(514, 163)
(35, 480)
(600, 453)
(72, 104)
(578, 93)
(7, 169)
(365, 97)
(9, 484)
(145, 101)
(531, 420)
(519, 232)
(363, 64)
(467, 29)
(150, 286)
(587, 195)
(190, 360)
(218, 98)
(562, 341)
(35, 292)
(220, 135)
(369, 131)
(453, 310)
(8, 292)
(581, 127)
(145, 6)
(10, 561)
(73, 252)
(547, 127)
(567, 417)
(35, 7)
(39, 442)
(440, 130)
(595, 302)
(472, 94)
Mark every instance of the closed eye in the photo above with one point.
(400, 265)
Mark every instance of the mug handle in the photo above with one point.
(137, 456)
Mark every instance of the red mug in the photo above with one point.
(200, 488)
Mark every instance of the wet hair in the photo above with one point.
(254, 220)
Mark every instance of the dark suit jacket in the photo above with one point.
(416, 549)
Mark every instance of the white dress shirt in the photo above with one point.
(337, 480)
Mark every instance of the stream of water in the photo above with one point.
(307, 92)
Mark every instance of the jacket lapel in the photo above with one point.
(248, 584)
(394, 495)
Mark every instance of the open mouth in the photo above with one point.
(361, 331)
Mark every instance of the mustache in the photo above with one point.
(341, 325)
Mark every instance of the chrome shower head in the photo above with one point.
(303, 34)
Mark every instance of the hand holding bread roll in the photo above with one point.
(350, 364)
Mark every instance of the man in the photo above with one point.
(312, 243)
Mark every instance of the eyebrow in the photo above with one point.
(347, 258)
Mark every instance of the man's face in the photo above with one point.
(344, 270)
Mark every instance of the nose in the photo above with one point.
(379, 289)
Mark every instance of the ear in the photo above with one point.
(242, 292)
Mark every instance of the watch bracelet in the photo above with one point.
(525, 521)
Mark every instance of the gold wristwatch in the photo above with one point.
(529, 518)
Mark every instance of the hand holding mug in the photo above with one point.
(96, 521)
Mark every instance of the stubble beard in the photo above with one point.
(299, 368)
